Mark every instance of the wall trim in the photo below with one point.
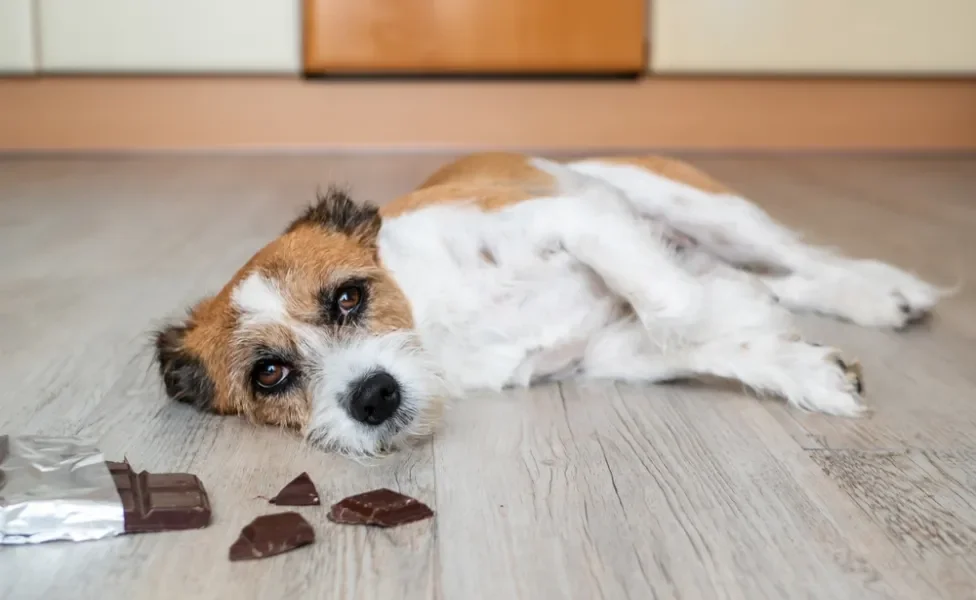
(272, 113)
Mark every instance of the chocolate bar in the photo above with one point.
(299, 492)
(269, 535)
(380, 508)
(160, 501)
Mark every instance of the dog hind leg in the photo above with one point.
(807, 376)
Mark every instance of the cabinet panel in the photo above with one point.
(813, 36)
(474, 36)
(166, 36)
(16, 37)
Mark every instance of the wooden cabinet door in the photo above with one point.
(889, 37)
(474, 36)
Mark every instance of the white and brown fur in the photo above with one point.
(504, 270)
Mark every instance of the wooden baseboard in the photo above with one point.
(126, 114)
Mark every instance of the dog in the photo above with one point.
(357, 323)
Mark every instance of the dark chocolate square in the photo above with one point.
(270, 535)
(300, 491)
(379, 508)
(160, 501)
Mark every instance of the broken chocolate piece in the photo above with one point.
(380, 508)
(160, 501)
(300, 492)
(269, 535)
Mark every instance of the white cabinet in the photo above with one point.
(778, 37)
(169, 36)
(16, 37)
(813, 36)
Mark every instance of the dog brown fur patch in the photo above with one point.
(490, 180)
(491, 169)
(307, 259)
(203, 336)
(487, 197)
(336, 211)
(672, 169)
(495, 180)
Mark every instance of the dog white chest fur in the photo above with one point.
(494, 302)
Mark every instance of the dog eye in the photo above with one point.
(269, 374)
(348, 298)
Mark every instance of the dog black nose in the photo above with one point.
(374, 399)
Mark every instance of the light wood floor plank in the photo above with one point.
(924, 501)
(727, 502)
(536, 504)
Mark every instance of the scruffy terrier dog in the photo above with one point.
(356, 324)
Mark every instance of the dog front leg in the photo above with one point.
(629, 256)
(675, 305)
(805, 277)
(739, 232)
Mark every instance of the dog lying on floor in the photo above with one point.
(503, 270)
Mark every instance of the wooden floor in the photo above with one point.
(572, 491)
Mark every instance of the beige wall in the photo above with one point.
(813, 36)
(258, 36)
(16, 37)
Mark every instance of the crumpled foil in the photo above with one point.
(56, 488)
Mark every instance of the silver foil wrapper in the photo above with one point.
(56, 488)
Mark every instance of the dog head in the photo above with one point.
(312, 333)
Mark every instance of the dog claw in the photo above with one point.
(853, 373)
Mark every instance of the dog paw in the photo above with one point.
(890, 297)
(829, 384)
(852, 373)
(872, 306)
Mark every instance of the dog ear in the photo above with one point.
(336, 211)
(183, 373)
